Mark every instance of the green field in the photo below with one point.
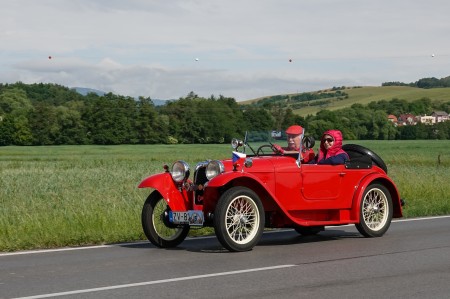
(78, 195)
(365, 95)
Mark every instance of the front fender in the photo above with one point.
(264, 188)
(176, 198)
(227, 177)
(384, 180)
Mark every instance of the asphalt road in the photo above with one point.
(412, 260)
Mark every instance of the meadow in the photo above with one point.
(366, 94)
(54, 196)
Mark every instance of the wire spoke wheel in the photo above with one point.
(375, 211)
(159, 231)
(242, 219)
(239, 219)
(159, 213)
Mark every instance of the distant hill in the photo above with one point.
(159, 102)
(84, 91)
(312, 102)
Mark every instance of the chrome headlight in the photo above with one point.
(214, 168)
(180, 171)
(235, 143)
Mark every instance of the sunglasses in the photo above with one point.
(329, 140)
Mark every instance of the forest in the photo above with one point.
(51, 114)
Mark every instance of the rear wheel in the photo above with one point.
(375, 211)
(155, 222)
(239, 219)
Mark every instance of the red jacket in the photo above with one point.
(335, 154)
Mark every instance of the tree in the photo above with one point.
(318, 126)
(109, 119)
(14, 109)
(421, 106)
(71, 128)
(22, 134)
(14, 101)
(428, 83)
(258, 119)
(6, 130)
(44, 124)
(147, 127)
(407, 132)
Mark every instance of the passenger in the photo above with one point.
(330, 151)
(293, 135)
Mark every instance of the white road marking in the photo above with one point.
(421, 218)
(121, 286)
(162, 281)
(55, 250)
(194, 238)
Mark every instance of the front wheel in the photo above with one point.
(155, 222)
(375, 211)
(239, 219)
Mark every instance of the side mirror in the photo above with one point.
(308, 141)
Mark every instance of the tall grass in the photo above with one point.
(73, 195)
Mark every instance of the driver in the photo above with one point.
(294, 135)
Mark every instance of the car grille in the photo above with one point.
(200, 179)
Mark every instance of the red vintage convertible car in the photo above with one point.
(258, 188)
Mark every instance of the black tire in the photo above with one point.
(355, 150)
(375, 211)
(239, 219)
(308, 230)
(156, 226)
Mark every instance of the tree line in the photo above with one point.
(431, 82)
(50, 114)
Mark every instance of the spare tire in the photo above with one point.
(355, 151)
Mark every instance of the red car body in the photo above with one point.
(306, 197)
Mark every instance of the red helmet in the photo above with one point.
(294, 130)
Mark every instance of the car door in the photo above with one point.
(325, 187)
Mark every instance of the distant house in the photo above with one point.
(392, 118)
(407, 119)
(440, 116)
(427, 119)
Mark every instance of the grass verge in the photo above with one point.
(78, 195)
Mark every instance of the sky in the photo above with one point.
(244, 49)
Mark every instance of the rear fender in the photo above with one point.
(177, 198)
(383, 180)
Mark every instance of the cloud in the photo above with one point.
(148, 48)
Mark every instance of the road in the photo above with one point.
(412, 260)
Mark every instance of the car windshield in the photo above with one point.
(256, 139)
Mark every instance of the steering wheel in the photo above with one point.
(260, 151)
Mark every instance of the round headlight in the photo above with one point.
(180, 171)
(214, 168)
(235, 143)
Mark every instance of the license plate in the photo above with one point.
(190, 217)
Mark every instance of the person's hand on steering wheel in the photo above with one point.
(277, 149)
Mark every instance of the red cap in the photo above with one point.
(294, 130)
